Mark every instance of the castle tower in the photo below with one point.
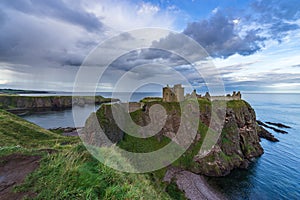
(175, 94)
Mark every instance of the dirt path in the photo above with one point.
(194, 186)
(13, 170)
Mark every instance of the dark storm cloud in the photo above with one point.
(219, 37)
(147, 56)
(55, 9)
(46, 33)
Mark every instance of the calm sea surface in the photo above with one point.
(275, 175)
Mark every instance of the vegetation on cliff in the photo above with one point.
(236, 147)
(66, 170)
(16, 102)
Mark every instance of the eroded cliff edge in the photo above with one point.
(16, 102)
(238, 144)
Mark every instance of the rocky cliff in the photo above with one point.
(238, 144)
(15, 102)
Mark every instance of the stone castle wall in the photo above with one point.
(176, 94)
(173, 94)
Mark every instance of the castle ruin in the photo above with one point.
(173, 94)
(176, 94)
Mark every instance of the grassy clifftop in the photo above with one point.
(66, 170)
(236, 147)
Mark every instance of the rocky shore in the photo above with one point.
(193, 185)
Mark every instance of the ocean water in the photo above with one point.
(275, 175)
(54, 119)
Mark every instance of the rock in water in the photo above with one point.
(270, 127)
(263, 133)
(279, 125)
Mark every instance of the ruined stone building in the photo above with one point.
(173, 94)
(228, 97)
(176, 94)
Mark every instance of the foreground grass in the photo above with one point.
(75, 174)
(69, 171)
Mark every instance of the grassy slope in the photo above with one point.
(150, 144)
(71, 172)
(186, 160)
(16, 131)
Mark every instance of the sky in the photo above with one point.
(253, 44)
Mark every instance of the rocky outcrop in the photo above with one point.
(263, 133)
(15, 102)
(279, 125)
(100, 129)
(237, 146)
(270, 127)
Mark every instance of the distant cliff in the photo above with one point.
(238, 144)
(16, 102)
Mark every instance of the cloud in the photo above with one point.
(58, 9)
(147, 8)
(279, 16)
(263, 81)
(36, 41)
(128, 15)
(59, 34)
(296, 66)
(218, 35)
(227, 32)
(154, 64)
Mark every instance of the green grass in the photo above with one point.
(186, 160)
(151, 99)
(236, 104)
(70, 172)
(142, 145)
(75, 174)
(16, 131)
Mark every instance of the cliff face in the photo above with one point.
(236, 147)
(238, 144)
(53, 102)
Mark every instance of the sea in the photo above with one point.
(274, 175)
